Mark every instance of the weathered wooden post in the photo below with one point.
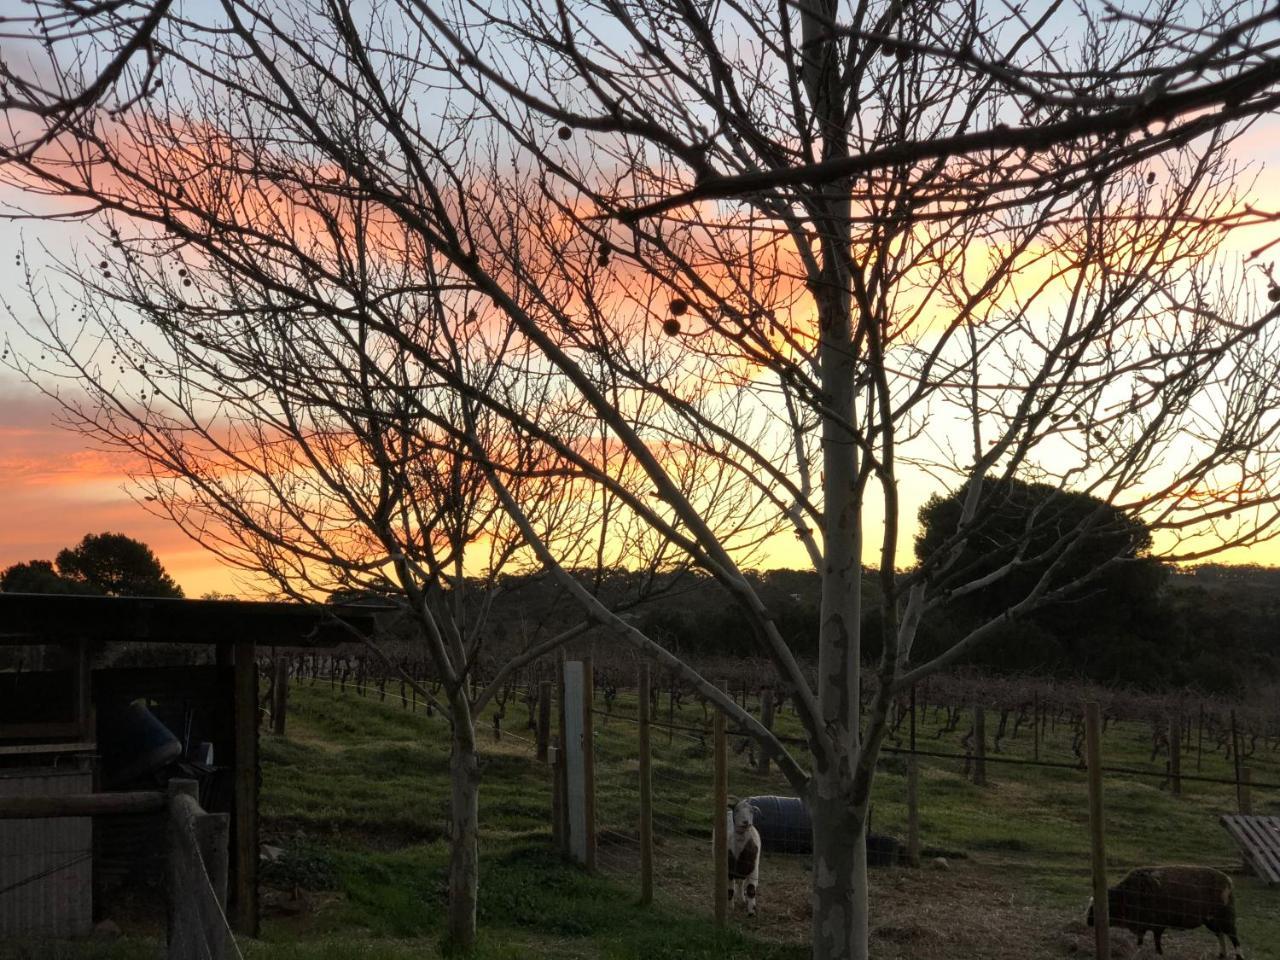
(913, 793)
(579, 762)
(589, 758)
(1245, 792)
(213, 831)
(979, 746)
(766, 718)
(178, 932)
(671, 711)
(720, 822)
(646, 793)
(197, 869)
(1235, 760)
(1035, 725)
(544, 719)
(1200, 738)
(245, 900)
(1097, 844)
(280, 701)
(1175, 756)
(559, 772)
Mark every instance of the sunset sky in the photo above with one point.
(56, 485)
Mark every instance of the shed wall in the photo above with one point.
(46, 866)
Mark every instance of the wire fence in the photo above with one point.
(984, 785)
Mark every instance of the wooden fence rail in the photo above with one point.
(80, 805)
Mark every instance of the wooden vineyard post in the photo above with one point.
(1200, 738)
(646, 793)
(544, 719)
(578, 740)
(671, 712)
(720, 822)
(1245, 793)
(1035, 725)
(280, 702)
(979, 746)
(913, 793)
(766, 718)
(245, 900)
(1175, 756)
(559, 772)
(1097, 844)
(589, 759)
(1235, 759)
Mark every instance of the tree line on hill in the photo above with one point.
(1137, 622)
(1140, 623)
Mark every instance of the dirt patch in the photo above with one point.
(974, 910)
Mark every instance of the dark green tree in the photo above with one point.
(38, 576)
(1115, 611)
(116, 565)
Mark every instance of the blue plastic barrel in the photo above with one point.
(783, 823)
(139, 744)
(785, 826)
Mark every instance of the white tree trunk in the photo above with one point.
(464, 825)
(840, 927)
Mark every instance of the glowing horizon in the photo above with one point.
(57, 485)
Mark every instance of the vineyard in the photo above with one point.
(355, 798)
(1002, 810)
(1019, 709)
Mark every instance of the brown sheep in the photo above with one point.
(1174, 897)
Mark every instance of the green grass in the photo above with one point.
(357, 794)
(366, 782)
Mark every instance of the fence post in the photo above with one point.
(1175, 756)
(174, 931)
(280, 701)
(671, 711)
(1035, 725)
(913, 793)
(589, 758)
(646, 793)
(720, 822)
(1093, 753)
(544, 719)
(245, 901)
(1244, 794)
(979, 746)
(1200, 738)
(766, 718)
(1235, 760)
(559, 771)
(213, 830)
(579, 795)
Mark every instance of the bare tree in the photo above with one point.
(911, 287)
(955, 252)
(315, 393)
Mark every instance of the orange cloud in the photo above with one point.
(54, 488)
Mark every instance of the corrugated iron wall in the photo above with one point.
(46, 866)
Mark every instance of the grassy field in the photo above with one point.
(355, 796)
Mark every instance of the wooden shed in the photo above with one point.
(56, 711)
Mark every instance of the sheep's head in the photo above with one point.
(743, 816)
